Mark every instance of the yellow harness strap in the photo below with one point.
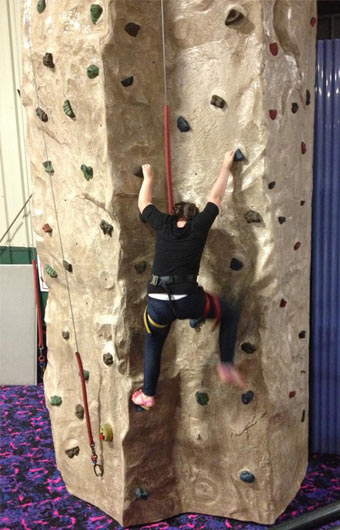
(148, 319)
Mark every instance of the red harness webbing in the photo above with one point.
(217, 306)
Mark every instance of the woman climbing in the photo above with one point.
(173, 291)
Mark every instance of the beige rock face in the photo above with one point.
(187, 456)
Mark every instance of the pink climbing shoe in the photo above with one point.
(146, 402)
(228, 373)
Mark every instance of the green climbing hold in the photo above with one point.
(96, 11)
(68, 109)
(202, 398)
(50, 271)
(41, 6)
(86, 375)
(56, 401)
(92, 71)
(87, 171)
(48, 167)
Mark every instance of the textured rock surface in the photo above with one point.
(187, 456)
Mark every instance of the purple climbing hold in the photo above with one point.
(128, 81)
(182, 124)
(247, 397)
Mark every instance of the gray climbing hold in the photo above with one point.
(79, 411)
(108, 359)
(48, 60)
(106, 227)
(50, 271)
(87, 171)
(132, 29)
(41, 114)
(295, 108)
(234, 15)
(86, 375)
(92, 71)
(253, 217)
(128, 81)
(247, 397)
(96, 11)
(202, 398)
(56, 401)
(141, 494)
(282, 220)
(239, 156)
(68, 109)
(217, 101)
(248, 348)
(66, 335)
(140, 267)
(302, 335)
(48, 167)
(67, 266)
(41, 6)
(236, 265)
(307, 97)
(74, 451)
(248, 477)
(272, 185)
(138, 171)
(182, 124)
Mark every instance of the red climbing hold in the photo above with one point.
(297, 245)
(46, 228)
(292, 393)
(274, 49)
(273, 114)
(313, 22)
(283, 302)
(303, 148)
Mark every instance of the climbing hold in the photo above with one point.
(106, 433)
(313, 22)
(127, 81)
(48, 60)
(106, 227)
(292, 393)
(138, 171)
(239, 156)
(41, 114)
(272, 114)
(295, 107)
(253, 217)
(140, 267)
(248, 348)
(236, 265)
(234, 15)
(41, 6)
(272, 185)
(67, 266)
(86, 375)
(132, 29)
(196, 323)
(302, 335)
(87, 171)
(182, 124)
(142, 494)
(79, 412)
(247, 397)
(274, 49)
(51, 272)
(48, 167)
(297, 245)
(282, 220)
(74, 451)
(92, 71)
(108, 359)
(307, 97)
(96, 11)
(246, 476)
(46, 228)
(303, 148)
(66, 335)
(217, 101)
(283, 302)
(303, 415)
(68, 109)
(202, 398)
(56, 401)
(302, 203)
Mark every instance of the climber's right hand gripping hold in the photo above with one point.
(145, 193)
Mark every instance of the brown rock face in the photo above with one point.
(235, 72)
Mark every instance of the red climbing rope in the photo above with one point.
(168, 158)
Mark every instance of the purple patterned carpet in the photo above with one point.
(34, 496)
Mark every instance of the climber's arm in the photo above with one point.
(218, 190)
(145, 193)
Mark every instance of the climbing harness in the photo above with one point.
(98, 469)
(218, 312)
(42, 356)
(148, 320)
(167, 146)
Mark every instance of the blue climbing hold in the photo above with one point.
(247, 397)
(246, 476)
(236, 264)
(194, 322)
(239, 156)
(142, 494)
(182, 124)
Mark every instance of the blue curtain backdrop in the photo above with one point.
(325, 283)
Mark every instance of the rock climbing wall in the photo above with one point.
(239, 75)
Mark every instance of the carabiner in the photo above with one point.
(98, 470)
